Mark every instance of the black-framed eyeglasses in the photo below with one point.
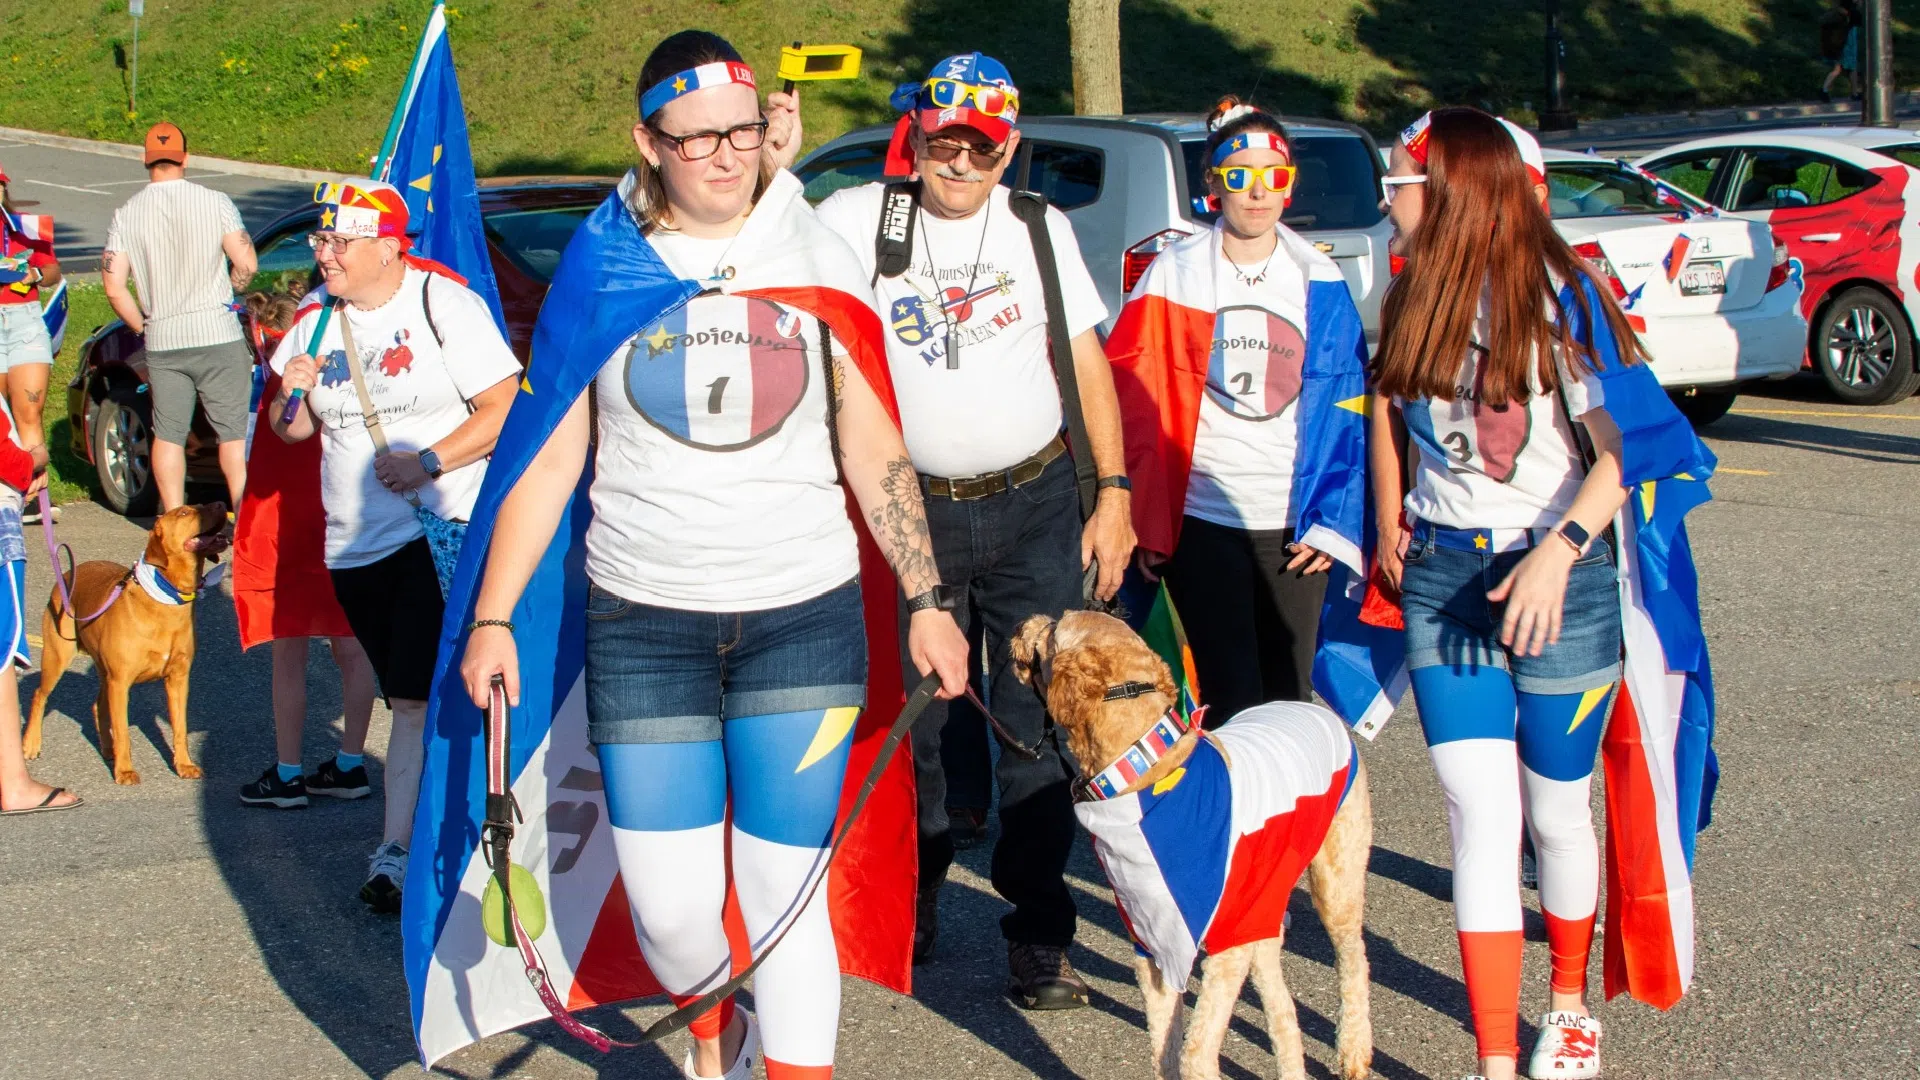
(945, 152)
(702, 145)
(333, 242)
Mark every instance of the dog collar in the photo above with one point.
(155, 584)
(1141, 756)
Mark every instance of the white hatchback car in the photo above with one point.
(1712, 295)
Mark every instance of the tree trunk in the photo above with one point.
(1093, 34)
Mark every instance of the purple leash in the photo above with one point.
(54, 548)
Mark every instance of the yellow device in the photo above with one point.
(810, 63)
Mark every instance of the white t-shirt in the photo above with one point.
(1000, 404)
(172, 234)
(714, 488)
(420, 390)
(1243, 446)
(1515, 467)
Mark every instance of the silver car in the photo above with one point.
(1133, 184)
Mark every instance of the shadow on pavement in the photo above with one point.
(1820, 438)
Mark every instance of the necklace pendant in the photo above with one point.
(953, 348)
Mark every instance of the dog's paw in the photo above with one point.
(30, 746)
(126, 777)
(187, 770)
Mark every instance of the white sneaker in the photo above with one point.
(1569, 1048)
(386, 878)
(743, 1064)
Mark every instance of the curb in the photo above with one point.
(135, 153)
(1658, 123)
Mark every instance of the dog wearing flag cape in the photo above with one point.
(466, 985)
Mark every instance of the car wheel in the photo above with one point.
(122, 449)
(1863, 349)
(1703, 407)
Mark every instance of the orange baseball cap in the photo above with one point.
(165, 142)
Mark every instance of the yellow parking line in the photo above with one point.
(1811, 412)
(1741, 472)
(33, 640)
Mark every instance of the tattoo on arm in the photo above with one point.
(900, 528)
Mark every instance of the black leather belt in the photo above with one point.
(966, 488)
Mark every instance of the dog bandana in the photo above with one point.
(1207, 858)
(155, 584)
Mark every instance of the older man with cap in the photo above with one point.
(982, 412)
(186, 251)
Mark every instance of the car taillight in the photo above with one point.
(1590, 251)
(1137, 257)
(1777, 276)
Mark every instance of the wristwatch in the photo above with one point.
(1120, 482)
(942, 597)
(430, 461)
(1574, 533)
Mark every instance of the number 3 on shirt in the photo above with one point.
(1253, 371)
(1471, 437)
(721, 373)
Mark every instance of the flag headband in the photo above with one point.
(1141, 756)
(1417, 138)
(1251, 140)
(674, 87)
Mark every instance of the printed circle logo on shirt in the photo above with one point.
(721, 373)
(1470, 436)
(911, 321)
(1254, 369)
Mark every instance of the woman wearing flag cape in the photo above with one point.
(1530, 417)
(1240, 364)
(714, 348)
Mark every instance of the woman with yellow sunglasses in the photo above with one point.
(1239, 360)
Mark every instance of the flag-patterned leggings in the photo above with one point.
(668, 803)
(1499, 752)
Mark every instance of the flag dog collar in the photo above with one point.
(680, 84)
(1250, 140)
(1141, 756)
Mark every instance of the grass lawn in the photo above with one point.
(73, 478)
(549, 83)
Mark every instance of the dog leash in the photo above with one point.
(497, 835)
(54, 550)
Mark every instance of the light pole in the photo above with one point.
(136, 8)
(1876, 68)
(1557, 116)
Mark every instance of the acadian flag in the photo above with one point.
(54, 311)
(1164, 634)
(1658, 747)
(464, 986)
(1166, 350)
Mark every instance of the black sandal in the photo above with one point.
(46, 804)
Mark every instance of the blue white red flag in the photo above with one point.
(1163, 354)
(611, 284)
(35, 229)
(1658, 748)
(1208, 856)
(53, 308)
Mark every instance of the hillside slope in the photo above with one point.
(548, 83)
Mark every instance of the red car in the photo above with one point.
(529, 221)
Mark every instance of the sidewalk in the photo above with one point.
(1655, 129)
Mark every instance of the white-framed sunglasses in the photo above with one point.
(1392, 184)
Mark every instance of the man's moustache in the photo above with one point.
(971, 176)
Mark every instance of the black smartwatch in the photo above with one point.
(1120, 482)
(942, 597)
(430, 461)
(1576, 534)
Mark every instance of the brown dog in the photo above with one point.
(136, 639)
(1230, 823)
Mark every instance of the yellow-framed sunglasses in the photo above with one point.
(1238, 178)
(987, 100)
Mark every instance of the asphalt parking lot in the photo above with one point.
(164, 930)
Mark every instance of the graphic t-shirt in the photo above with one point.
(1243, 445)
(420, 390)
(996, 402)
(1513, 467)
(714, 488)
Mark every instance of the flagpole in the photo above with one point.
(380, 165)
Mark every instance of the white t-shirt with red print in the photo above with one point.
(419, 387)
(714, 487)
(998, 403)
(1513, 467)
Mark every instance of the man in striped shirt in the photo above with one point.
(186, 250)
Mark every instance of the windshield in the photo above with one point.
(1338, 186)
(534, 239)
(1578, 189)
(1907, 153)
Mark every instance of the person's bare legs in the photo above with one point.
(356, 692)
(170, 473)
(289, 697)
(26, 390)
(233, 465)
(405, 752)
(18, 791)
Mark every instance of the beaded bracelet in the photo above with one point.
(478, 623)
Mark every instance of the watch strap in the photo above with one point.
(1120, 482)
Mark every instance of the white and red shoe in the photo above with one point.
(1569, 1048)
(742, 1068)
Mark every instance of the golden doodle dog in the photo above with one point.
(137, 624)
(1203, 836)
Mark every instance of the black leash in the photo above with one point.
(497, 834)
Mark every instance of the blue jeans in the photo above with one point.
(1013, 555)
(663, 675)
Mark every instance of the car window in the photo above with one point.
(1069, 176)
(533, 240)
(285, 262)
(1905, 153)
(1694, 175)
(1337, 187)
(1597, 189)
(849, 166)
(1774, 179)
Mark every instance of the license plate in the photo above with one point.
(1703, 279)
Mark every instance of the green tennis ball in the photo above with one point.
(527, 903)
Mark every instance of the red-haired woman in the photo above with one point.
(1508, 586)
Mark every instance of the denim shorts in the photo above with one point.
(1450, 621)
(23, 335)
(663, 675)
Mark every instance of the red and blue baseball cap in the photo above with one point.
(969, 90)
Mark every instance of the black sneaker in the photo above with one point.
(386, 879)
(966, 825)
(335, 783)
(1041, 978)
(926, 924)
(272, 791)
